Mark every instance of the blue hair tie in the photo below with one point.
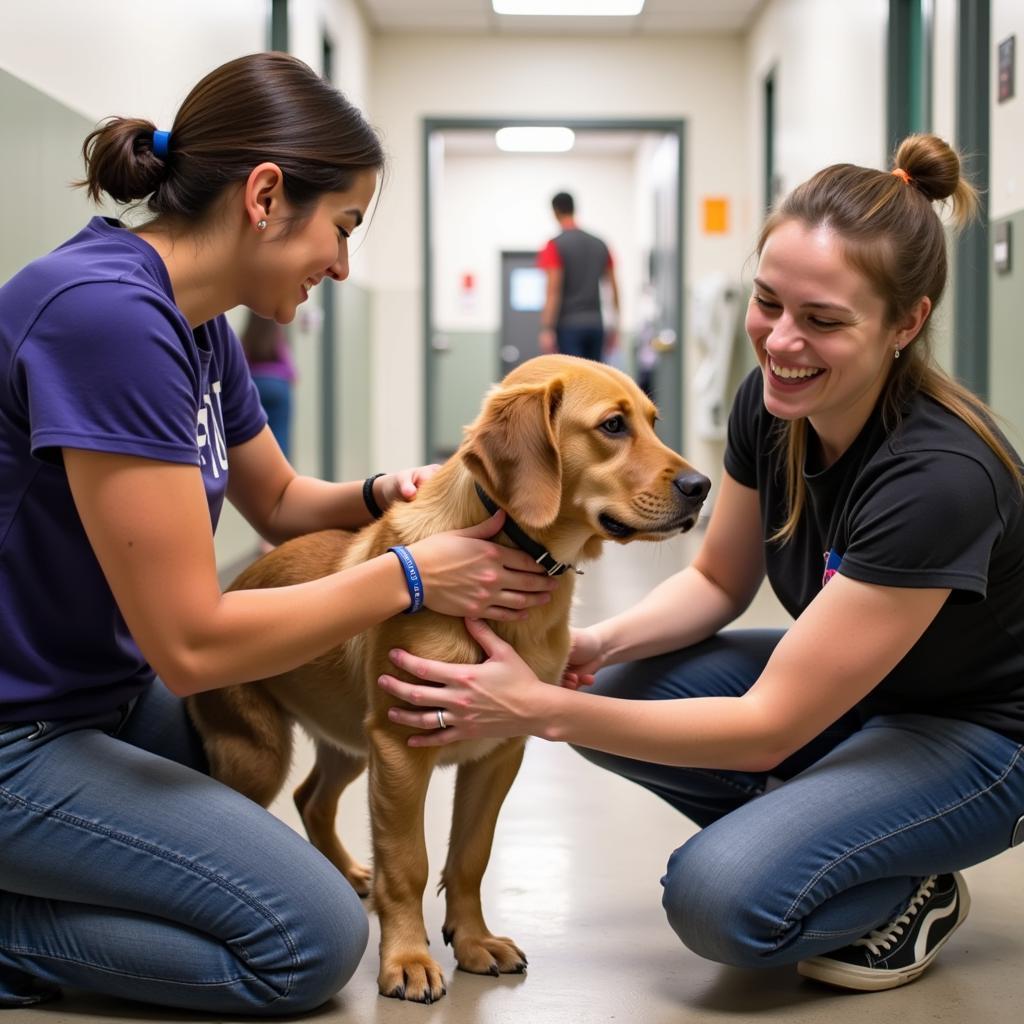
(161, 140)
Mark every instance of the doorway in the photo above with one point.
(523, 290)
(486, 214)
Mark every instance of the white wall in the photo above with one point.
(495, 203)
(1006, 166)
(829, 61)
(122, 57)
(699, 79)
(944, 42)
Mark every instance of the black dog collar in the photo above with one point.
(525, 542)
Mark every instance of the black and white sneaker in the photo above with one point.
(899, 952)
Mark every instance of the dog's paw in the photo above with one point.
(359, 877)
(416, 977)
(486, 953)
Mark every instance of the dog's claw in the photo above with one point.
(520, 968)
(398, 992)
(494, 972)
(447, 934)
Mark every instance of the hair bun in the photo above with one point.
(120, 161)
(935, 171)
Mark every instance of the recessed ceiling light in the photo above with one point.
(562, 8)
(527, 139)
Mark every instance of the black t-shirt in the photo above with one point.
(929, 506)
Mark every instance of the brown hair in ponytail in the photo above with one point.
(262, 107)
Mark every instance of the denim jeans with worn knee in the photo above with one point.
(126, 870)
(839, 840)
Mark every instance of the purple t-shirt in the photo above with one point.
(95, 355)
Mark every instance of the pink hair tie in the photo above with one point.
(900, 173)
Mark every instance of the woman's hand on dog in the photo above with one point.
(402, 485)
(585, 658)
(496, 698)
(465, 574)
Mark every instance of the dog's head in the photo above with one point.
(570, 440)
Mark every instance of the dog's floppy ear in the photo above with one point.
(513, 453)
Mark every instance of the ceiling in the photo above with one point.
(477, 16)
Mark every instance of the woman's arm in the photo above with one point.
(848, 639)
(149, 525)
(280, 504)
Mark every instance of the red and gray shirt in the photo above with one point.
(583, 260)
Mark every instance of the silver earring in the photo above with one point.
(897, 355)
(261, 225)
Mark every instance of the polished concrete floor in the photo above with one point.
(574, 880)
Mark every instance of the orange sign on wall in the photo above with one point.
(716, 215)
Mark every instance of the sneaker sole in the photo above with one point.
(872, 979)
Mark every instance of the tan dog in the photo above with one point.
(567, 447)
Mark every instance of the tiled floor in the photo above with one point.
(574, 879)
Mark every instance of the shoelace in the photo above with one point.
(883, 938)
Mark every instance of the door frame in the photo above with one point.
(971, 281)
(666, 126)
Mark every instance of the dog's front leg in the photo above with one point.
(480, 789)
(398, 787)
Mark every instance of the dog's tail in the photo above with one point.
(247, 736)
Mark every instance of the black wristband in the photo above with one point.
(368, 499)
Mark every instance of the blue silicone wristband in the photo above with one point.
(413, 579)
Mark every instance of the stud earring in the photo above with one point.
(261, 225)
(897, 353)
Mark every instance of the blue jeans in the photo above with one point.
(276, 399)
(126, 870)
(587, 342)
(862, 815)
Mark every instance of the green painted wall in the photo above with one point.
(462, 374)
(40, 155)
(943, 318)
(1006, 322)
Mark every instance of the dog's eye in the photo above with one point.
(614, 425)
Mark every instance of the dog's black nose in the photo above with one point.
(692, 485)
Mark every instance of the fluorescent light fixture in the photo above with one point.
(534, 140)
(563, 8)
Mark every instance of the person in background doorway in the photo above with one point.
(127, 418)
(845, 770)
(576, 263)
(272, 369)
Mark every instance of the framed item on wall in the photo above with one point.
(1007, 68)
